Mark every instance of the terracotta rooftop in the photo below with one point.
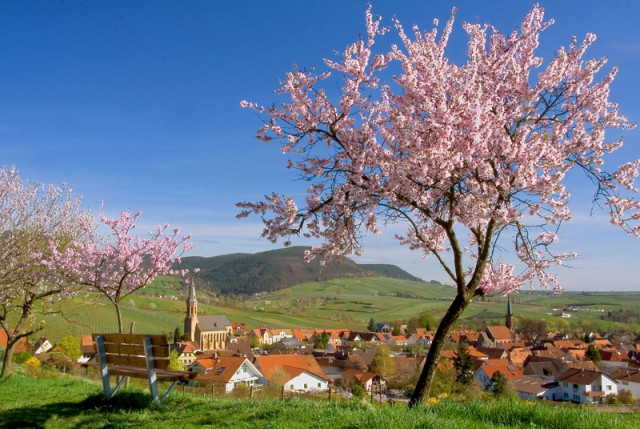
(509, 371)
(220, 369)
(268, 364)
(499, 333)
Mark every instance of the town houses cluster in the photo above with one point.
(556, 367)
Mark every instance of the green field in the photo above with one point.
(66, 402)
(338, 303)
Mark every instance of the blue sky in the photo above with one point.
(137, 104)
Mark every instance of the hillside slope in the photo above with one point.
(278, 269)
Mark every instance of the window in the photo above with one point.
(576, 398)
(566, 395)
(319, 385)
(608, 387)
(305, 385)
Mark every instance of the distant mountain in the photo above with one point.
(278, 269)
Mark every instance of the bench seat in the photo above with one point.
(135, 355)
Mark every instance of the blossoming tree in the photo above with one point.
(466, 156)
(118, 265)
(32, 219)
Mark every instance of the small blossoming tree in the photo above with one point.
(466, 156)
(33, 219)
(118, 265)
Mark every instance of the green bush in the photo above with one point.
(357, 391)
(21, 357)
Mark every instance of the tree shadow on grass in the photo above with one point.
(95, 407)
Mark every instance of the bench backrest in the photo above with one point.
(128, 349)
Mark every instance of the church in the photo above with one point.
(210, 332)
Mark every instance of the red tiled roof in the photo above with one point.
(268, 364)
(86, 345)
(569, 344)
(508, 371)
(220, 369)
(360, 375)
(21, 346)
(499, 333)
(613, 356)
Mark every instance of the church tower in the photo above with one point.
(191, 320)
(509, 316)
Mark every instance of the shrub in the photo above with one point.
(626, 397)
(21, 357)
(357, 391)
(32, 365)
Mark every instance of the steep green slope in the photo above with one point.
(273, 270)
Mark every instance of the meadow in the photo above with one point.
(66, 402)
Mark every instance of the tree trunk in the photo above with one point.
(119, 313)
(7, 361)
(423, 386)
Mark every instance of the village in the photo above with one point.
(384, 363)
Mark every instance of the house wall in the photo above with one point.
(579, 392)
(631, 386)
(306, 382)
(246, 374)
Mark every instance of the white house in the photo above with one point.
(304, 381)
(42, 346)
(229, 371)
(628, 379)
(584, 386)
(299, 373)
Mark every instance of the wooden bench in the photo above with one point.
(135, 355)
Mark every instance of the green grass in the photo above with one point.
(73, 403)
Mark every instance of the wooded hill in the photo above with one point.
(243, 273)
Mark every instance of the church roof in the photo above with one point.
(499, 333)
(213, 323)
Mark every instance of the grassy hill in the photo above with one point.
(338, 303)
(243, 273)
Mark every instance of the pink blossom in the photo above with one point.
(121, 263)
(470, 157)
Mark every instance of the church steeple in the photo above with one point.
(191, 320)
(192, 294)
(509, 316)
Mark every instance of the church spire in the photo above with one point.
(509, 316)
(191, 319)
(192, 294)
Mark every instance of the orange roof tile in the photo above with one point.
(509, 371)
(499, 333)
(220, 369)
(21, 346)
(268, 364)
